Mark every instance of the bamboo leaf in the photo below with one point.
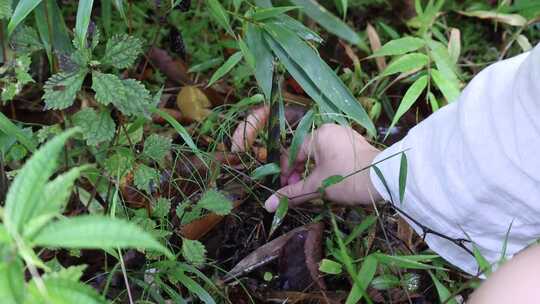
(22, 10)
(406, 63)
(299, 135)
(225, 68)
(399, 46)
(84, 12)
(402, 176)
(410, 97)
(449, 88)
(220, 15)
(264, 63)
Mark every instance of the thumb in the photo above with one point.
(297, 193)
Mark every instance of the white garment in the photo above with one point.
(474, 165)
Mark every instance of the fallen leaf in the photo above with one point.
(375, 43)
(510, 19)
(193, 103)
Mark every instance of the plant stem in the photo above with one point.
(273, 143)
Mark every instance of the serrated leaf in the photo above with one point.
(156, 147)
(412, 94)
(62, 88)
(5, 9)
(162, 207)
(216, 202)
(400, 46)
(121, 51)
(109, 88)
(97, 127)
(61, 290)
(96, 232)
(137, 99)
(193, 251)
(27, 190)
(120, 162)
(229, 64)
(144, 176)
(406, 63)
(25, 39)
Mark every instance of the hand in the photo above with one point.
(336, 150)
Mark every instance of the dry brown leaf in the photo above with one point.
(454, 44)
(193, 103)
(375, 43)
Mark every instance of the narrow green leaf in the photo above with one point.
(301, 30)
(84, 12)
(330, 267)
(483, 263)
(442, 291)
(246, 53)
(402, 176)
(385, 282)
(61, 290)
(61, 42)
(280, 214)
(444, 62)
(412, 94)
(265, 170)
(365, 275)
(12, 290)
(406, 63)
(406, 262)
(22, 10)
(220, 15)
(96, 232)
(11, 129)
(226, 67)
(332, 180)
(359, 229)
(179, 128)
(433, 102)
(264, 63)
(328, 20)
(304, 63)
(119, 5)
(304, 126)
(266, 13)
(449, 88)
(399, 47)
(195, 288)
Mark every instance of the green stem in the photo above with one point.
(273, 144)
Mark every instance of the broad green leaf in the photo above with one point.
(280, 214)
(98, 127)
(314, 75)
(24, 7)
(359, 229)
(214, 201)
(121, 51)
(195, 288)
(266, 13)
(138, 100)
(332, 180)
(365, 275)
(64, 291)
(264, 63)
(11, 129)
(156, 147)
(62, 88)
(84, 12)
(448, 88)
(412, 94)
(402, 177)
(5, 9)
(109, 88)
(12, 289)
(144, 176)
(265, 170)
(510, 19)
(193, 251)
(442, 291)
(330, 267)
(220, 15)
(327, 20)
(246, 53)
(400, 46)
(27, 190)
(445, 64)
(96, 232)
(226, 67)
(406, 63)
(304, 126)
(406, 262)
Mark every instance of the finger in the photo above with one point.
(246, 132)
(297, 193)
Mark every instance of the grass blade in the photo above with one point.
(22, 10)
(84, 12)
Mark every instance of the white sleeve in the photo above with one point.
(474, 165)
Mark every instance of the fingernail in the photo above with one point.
(271, 203)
